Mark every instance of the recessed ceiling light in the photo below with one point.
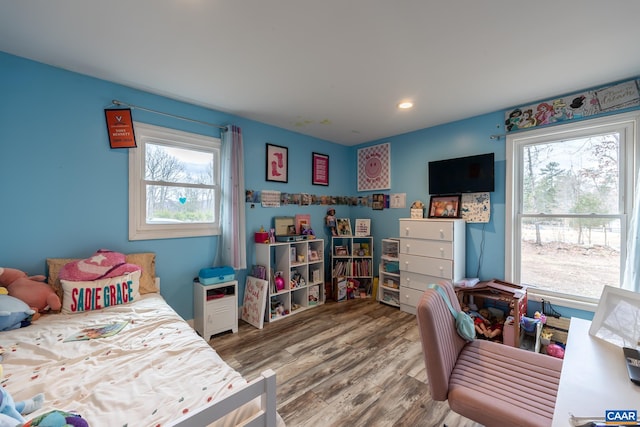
(404, 105)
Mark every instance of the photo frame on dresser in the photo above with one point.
(445, 206)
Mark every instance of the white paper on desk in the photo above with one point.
(617, 318)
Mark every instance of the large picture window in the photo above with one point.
(569, 197)
(174, 184)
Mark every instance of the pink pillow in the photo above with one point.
(103, 264)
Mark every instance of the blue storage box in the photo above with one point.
(213, 275)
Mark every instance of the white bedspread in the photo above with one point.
(154, 371)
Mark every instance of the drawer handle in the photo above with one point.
(406, 231)
(441, 233)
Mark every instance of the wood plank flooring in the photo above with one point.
(353, 363)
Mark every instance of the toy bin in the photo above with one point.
(213, 275)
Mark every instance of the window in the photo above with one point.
(174, 184)
(568, 199)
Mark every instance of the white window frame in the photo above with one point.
(626, 123)
(138, 227)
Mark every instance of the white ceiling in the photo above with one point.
(335, 69)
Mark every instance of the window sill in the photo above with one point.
(561, 301)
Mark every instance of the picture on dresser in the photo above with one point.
(444, 206)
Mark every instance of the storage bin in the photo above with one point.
(213, 275)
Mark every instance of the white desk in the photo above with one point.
(594, 378)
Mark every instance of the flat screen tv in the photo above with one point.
(472, 174)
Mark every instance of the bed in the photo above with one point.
(155, 371)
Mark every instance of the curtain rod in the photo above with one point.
(116, 102)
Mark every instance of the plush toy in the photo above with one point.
(31, 289)
(14, 313)
(11, 412)
(58, 418)
(555, 350)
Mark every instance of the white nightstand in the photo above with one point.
(215, 308)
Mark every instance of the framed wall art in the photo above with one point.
(277, 165)
(374, 167)
(344, 227)
(255, 300)
(444, 206)
(363, 227)
(120, 128)
(320, 169)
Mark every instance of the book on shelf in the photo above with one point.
(259, 271)
(314, 295)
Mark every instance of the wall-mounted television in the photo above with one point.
(472, 174)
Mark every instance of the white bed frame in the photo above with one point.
(263, 387)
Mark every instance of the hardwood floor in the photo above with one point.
(353, 363)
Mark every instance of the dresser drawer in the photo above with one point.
(429, 266)
(427, 229)
(409, 298)
(417, 281)
(430, 248)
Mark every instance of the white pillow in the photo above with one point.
(97, 294)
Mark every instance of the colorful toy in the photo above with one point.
(279, 280)
(31, 289)
(11, 411)
(330, 221)
(555, 350)
(57, 418)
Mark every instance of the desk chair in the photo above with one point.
(488, 382)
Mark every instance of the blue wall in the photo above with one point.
(66, 191)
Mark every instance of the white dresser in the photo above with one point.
(431, 250)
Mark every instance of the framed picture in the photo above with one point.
(255, 300)
(444, 206)
(120, 128)
(320, 169)
(277, 165)
(341, 250)
(377, 202)
(374, 167)
(344, 226)
(363, 227)
(303, 221)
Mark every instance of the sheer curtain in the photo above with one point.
(631, 279)
(232, 242)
